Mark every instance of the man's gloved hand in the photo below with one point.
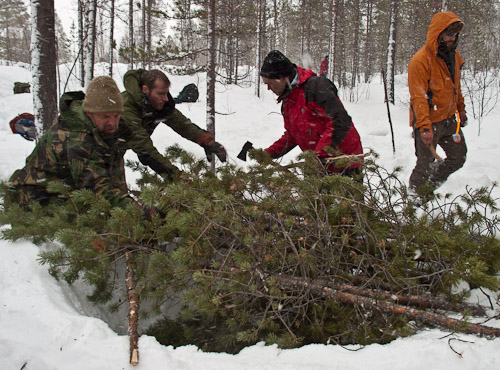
(216, 149)
(205, 139)
(150, 211)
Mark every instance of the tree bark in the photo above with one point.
(81, 39)
(90, 42)
(259, 46)
(368, 50)
(320, 289)
(134, 304)
(332, 41)
(43, 61)
(111, 37)
(131, 33)
(391, 51)
(355, 48)
(211, 73)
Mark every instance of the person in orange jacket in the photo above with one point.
(437, 109)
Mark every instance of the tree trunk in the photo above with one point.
(332, 44)
(341, 60)
(355, 49)
(82, 35)
(368, 52)
(259, 47)
(391, 51)
(211, 72)
(43, 62)
(131, 33)
(149, 33)
(143, 33)
(90, 42)
(134, 304)
(111, 37)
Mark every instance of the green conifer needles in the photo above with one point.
(249, 251)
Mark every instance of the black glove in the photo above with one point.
(216, 149)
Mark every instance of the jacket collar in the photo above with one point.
(301, 76)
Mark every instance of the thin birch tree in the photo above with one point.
(111, 36)
(131, 33)
(332, 39)
(211, 71)
(391, 51)
(368, 50)
(90, 42)
(259, 43)
(355, 56)
(82, 35)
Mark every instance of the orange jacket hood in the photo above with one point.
(439, 22)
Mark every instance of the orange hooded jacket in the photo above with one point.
(427, 71)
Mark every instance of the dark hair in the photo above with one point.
(148, 78)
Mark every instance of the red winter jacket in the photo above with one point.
(315, 118)
(323, 68)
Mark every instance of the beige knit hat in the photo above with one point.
(102, 96)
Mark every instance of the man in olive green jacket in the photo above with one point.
(79, 149)
(147, 102)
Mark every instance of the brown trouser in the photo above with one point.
(427, 168)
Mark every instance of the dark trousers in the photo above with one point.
(427, 168)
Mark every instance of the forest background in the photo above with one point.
(230, 38)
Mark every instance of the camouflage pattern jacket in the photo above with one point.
(139, 120)
(72, 151)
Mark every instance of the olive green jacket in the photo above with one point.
(139, 119)
(72, 151)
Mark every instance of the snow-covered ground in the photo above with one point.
(40, 329)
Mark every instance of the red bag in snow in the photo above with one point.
(24, 125)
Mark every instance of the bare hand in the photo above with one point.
(463, 118)
(427, 137)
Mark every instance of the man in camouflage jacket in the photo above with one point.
(79, 150)
(147, 102)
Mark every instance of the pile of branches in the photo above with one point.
(281, 255)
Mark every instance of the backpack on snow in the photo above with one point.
(189, 94)
(24, 125)
(22, 87)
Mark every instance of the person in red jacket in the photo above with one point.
(323, 68)
(314, 116)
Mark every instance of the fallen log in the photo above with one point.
(320, 289)
(430, 302)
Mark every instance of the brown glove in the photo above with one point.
(216, 149)
(205, 139)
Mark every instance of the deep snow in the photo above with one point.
(40, 329)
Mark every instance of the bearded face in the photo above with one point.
(448, 39)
